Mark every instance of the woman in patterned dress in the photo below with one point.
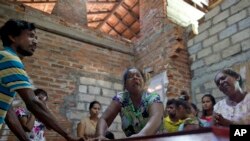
(235, 107)
(141, 112)
(34, 128)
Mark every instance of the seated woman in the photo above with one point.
(87, 126)
(141, 112)
(208, 102)
(35, 129)
(235, 108)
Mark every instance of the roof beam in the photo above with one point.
(203, 9)
(132, 13)
(98, 12)
(103, 2)
(130, 29)
(120, 21)
(32, 1)
(110, 14)
(113, 29)
(94, 21)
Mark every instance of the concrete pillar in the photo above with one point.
(74, 11)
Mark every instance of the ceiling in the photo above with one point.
(115, 17)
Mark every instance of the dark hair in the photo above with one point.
(232, 73)
(171, 101)
(109, 135)
(14, 28)
(93, 103)
(183, 103)
(42, 92)
(195, 108)
(204, 113)
(125, 75)
(184, 95)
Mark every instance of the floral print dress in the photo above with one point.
(37, 133)
(238, 113)
(134, 119)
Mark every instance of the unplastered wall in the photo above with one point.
(223, 41)
(66, 59)
(88, 90)
(161, 46)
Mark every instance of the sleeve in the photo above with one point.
(245, 118)
(154, 98)
(20, 112)
(13, 74)
(118, 97)
(216, 107)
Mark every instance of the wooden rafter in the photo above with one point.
(110, 14)
(103, 2)
(120, 21)
(112, 28)
(95, 21)
(98, 12)
(130, 28)
(203, 9)
(132, 13)
(33, 1)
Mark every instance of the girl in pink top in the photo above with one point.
(208, 103)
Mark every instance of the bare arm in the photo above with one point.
(156, 111)
(80, 129)
(27, 122)
(41, 112)
(107, 118)
(15, 126)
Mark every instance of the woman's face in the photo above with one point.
(94, 111)
(134, 81)
(226, 83)
(207, 103)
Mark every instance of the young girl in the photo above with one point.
(208, 102)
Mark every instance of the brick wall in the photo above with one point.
(162, 46)
(66, 56)
(223, 41)
(66, 59)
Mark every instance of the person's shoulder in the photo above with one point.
(152, 97)
(221, 102)
(166, 119)
(7, 59)
(21, 111)
(83, 120)
(121, 96)
(247, 96)
(8, 55)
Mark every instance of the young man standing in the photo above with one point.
(20, 40)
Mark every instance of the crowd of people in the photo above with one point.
(141, 112)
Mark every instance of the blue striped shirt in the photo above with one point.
(12, 78)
